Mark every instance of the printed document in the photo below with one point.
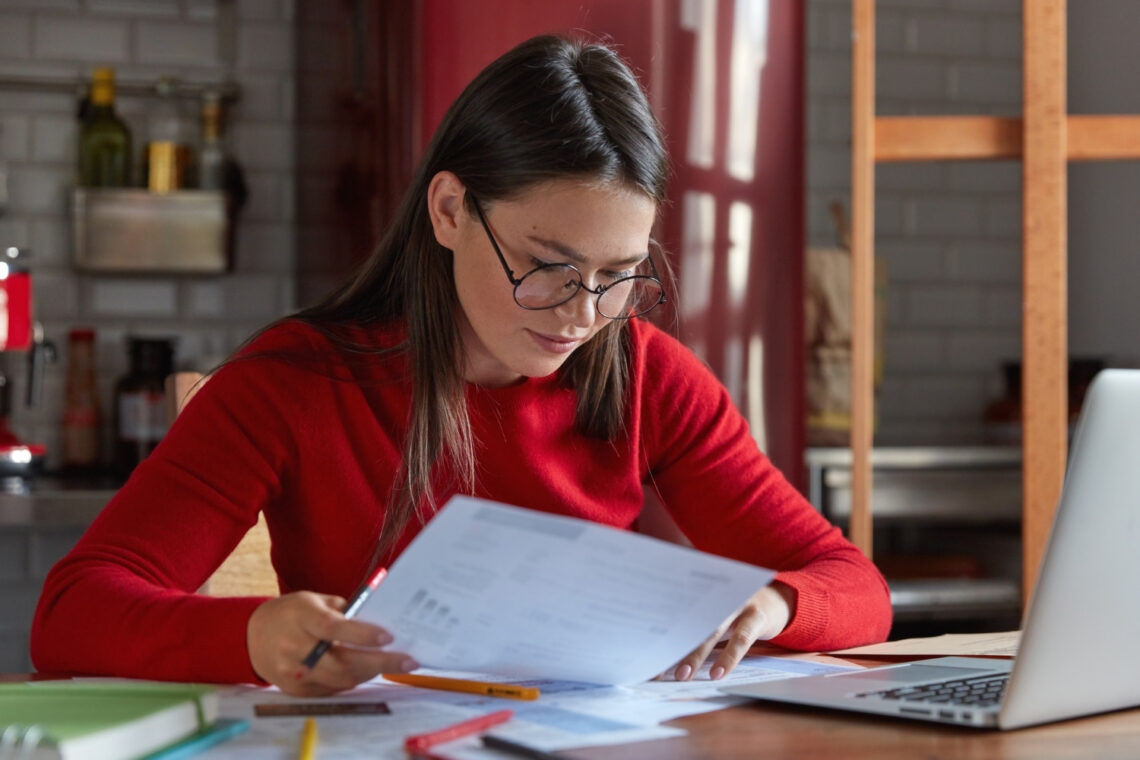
(497, 589)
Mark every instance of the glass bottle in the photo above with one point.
(80, 444)
(212, 153)
(140, 409)
(104, 138)
(167, 155)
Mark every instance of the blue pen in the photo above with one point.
(353, 607)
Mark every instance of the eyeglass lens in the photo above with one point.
(556, 284)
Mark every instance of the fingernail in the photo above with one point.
(684, 672)
(409, 665)
(716, 673)
(383, 639)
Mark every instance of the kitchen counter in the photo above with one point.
(55, 502)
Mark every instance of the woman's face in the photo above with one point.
(602, 229)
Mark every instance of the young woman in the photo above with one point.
(489, 346)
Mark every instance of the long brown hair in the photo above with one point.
(548, 109)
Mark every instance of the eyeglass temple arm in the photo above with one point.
(494, 243)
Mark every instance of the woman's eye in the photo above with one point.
(538, 262)
(617, 275)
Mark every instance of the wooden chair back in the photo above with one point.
(248, 570)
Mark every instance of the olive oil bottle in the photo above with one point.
(104, 138)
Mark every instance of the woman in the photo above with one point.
(489, 346)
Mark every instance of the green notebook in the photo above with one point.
(96, 720)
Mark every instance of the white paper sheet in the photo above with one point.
(492, 588)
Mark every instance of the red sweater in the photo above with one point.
(318, 455)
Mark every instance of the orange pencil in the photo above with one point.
(506, 690)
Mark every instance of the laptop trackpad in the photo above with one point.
(912, 674)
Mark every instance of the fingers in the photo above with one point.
(690, 664)
(281, 632)
(745, 631)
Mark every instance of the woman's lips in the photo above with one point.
(555, 344)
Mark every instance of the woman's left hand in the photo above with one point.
(762, 617)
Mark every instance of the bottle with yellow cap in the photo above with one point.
(104, 138)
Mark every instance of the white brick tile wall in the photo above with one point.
(56, 295)
(1003, 218)
(1003, 38)
(999, 177)
(15, 36)
(162, 43)
(203, 299)
(911, 260)
(102, 41)
(946, 35)
(15, 134)
(51, 246)
(980, 350)
(200, 10)
(908, 78)
(134, 7)
(13, 554)
(944, 306)
(908, 350)
(15, 232)
(983, 262)
(263, 145)
(37, 188)
(260, 10)
(54, 139)
(265, 47)
(989, 82)
(948, 216)
(264, 248)
(261, 99)
(133, 298)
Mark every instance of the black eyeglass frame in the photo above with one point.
(598, 292)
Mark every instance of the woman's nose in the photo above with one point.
(580, 310)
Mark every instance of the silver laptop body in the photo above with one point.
(1078, 652)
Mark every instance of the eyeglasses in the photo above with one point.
(550, 285)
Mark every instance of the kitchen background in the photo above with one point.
(948, 234)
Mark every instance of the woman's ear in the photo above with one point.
(445, 207)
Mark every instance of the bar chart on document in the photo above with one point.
(492, 588)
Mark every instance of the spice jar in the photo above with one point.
(140, 411)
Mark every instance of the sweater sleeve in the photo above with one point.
(123, 602)
(730, 500)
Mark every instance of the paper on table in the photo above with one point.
(500, 589)
(947, 645)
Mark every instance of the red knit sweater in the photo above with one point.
(317, 447)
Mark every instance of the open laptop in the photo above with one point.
(1079, 652)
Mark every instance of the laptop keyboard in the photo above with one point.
(980, 691)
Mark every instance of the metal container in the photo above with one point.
(125, 231)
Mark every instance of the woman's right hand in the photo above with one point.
(282, 631)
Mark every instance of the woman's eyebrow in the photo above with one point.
(578, 258)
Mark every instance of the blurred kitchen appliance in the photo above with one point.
(19, 461)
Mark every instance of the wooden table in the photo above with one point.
(766, 731)
(774, 732)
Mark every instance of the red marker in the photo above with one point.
(420, 742)
(353, 607)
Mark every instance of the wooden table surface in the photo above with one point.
(776, 732)
(761, 731)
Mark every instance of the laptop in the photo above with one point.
(1078, 652)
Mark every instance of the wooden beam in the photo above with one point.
(932, 138)
(1044, 277)
(862, 270)
(948, 138)
(1098, 138)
